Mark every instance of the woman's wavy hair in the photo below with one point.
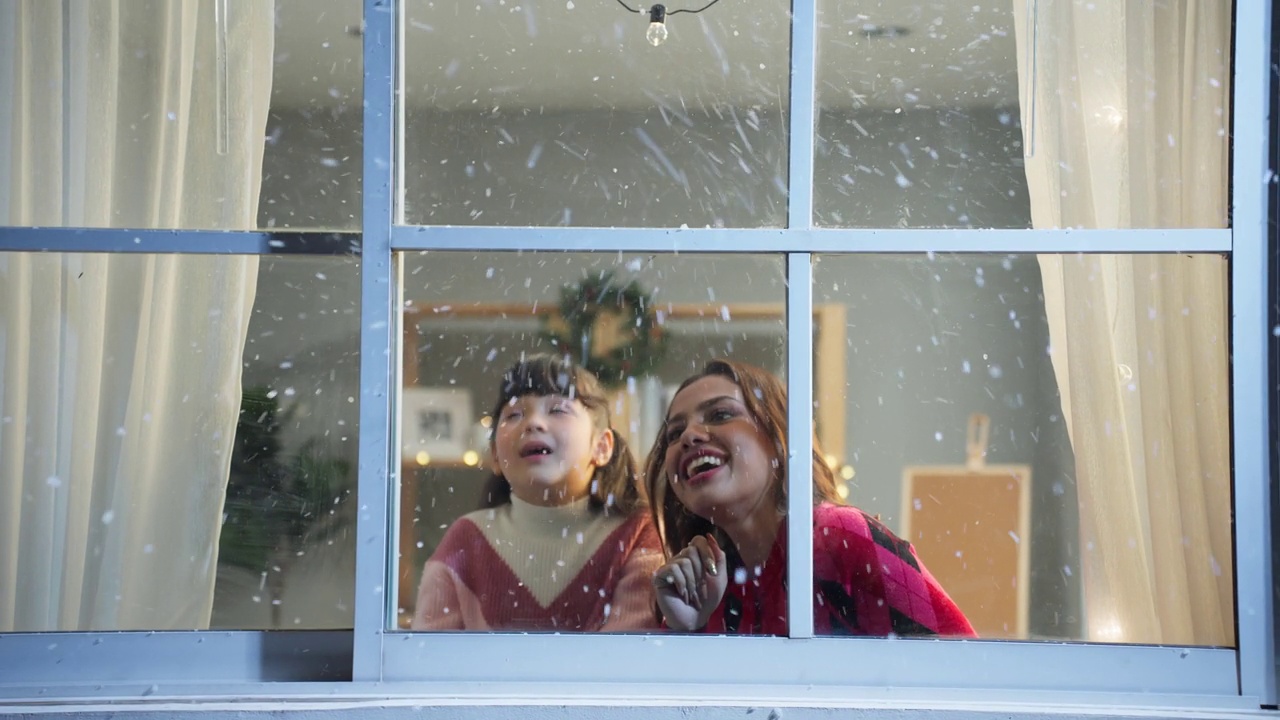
(766, 400)
(614, 485)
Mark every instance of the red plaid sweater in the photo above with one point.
(866, 581)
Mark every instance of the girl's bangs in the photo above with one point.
(540, 377)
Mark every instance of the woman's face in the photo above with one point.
(719, 462)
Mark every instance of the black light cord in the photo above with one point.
(670, 12)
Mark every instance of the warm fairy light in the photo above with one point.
(486, 421)
(846, 472)
(471, 458)
(842, 490)
(832, 462)
(423, 458)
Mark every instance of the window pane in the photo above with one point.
(1051, 433)
(563, 114)
(154, 114)
(1080, 114)
(311, 169)
(177, 441)
(469, 317)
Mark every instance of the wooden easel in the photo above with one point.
(971, 525)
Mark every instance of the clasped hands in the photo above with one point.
(690, 585)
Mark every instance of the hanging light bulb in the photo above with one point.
(657, 32)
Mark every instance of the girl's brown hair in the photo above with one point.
(766, 400)
(614, 486)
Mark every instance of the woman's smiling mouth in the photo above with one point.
(700, 467)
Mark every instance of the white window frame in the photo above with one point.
(373, 660)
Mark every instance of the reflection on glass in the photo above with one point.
(166, 456)
(1050, 433)
(468, 319)
(1080, 114)
(564, 114)
(166, 110)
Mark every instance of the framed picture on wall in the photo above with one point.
(436, 421)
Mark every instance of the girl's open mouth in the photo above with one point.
(534, 449)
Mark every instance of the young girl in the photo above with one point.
(717, 480)
(565, 543)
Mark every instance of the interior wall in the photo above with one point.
(715, 168)
(311, 171)
(920, 168)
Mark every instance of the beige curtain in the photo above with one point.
(120, 374)
(1125, 111)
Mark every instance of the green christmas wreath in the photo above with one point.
(607, 327)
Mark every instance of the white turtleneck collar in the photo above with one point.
(550, 521)
(545, 546)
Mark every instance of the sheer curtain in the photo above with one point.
(1125, 111)
(120, 374)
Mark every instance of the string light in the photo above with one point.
(657, 32)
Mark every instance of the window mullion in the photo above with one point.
(800, 445)
(1254, 582)
(377, 323)
(804, 60)
(153, 240)
(814, 240)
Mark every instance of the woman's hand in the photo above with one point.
(690, 585)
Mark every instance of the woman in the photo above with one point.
(717, 481)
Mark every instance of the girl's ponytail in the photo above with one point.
(615, 486)
(496, 493)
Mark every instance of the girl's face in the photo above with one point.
(719, 462)
(547, 448)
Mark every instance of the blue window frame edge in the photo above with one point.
(831, 671)
(1251, 434)
(379, 327)
(1273, 318)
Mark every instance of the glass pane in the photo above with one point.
(469, 318)
(1070, 114)
(311, 170)
(154, 114)
(564, 114)
(1050, 432)
(177, 441)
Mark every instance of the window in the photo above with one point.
(179, 450)
(995, 242)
